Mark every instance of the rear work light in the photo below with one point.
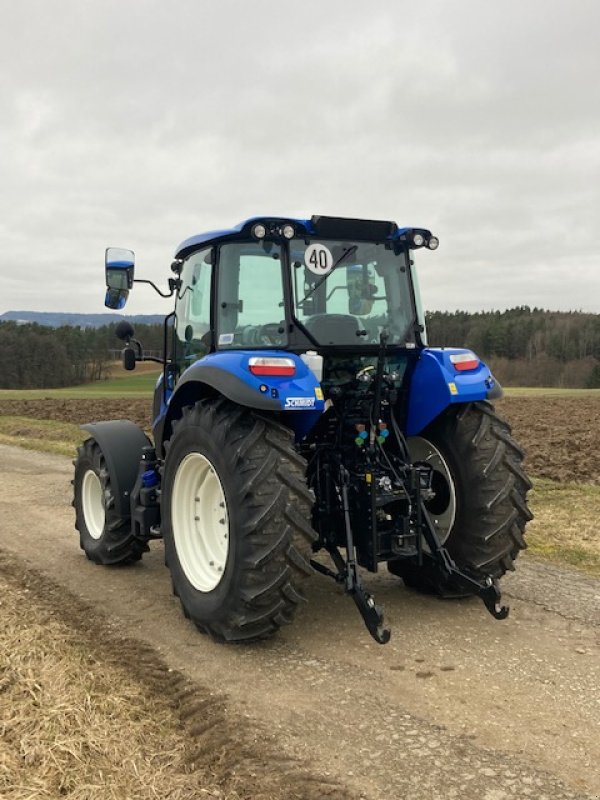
(464, 361)
(278, 367)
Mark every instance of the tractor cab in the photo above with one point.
(299, 285)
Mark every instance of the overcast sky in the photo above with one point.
(138, 123)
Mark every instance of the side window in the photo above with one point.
(192, 325)
(250, 307)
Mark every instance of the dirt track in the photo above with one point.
(457, 705)
(560, 435)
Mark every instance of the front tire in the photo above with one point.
(104, 536)
(485, 510)
(235, 511)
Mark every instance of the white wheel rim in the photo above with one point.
(200, 522)
(92, 503)
(442, 508)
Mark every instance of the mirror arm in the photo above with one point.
(174, 285)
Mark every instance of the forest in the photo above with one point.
(523, 347)
(36, 356)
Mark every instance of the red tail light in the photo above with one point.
(278, 367)
(464, 361)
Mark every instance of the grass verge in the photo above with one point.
(90, 714)
(77, 725)
(565, 527)
(48, 436)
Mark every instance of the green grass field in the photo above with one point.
(132, 384)
(141, 384)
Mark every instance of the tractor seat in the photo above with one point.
(333, 328)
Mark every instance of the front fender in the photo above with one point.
(437, 384)
(121, 442)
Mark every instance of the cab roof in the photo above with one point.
(326, 227)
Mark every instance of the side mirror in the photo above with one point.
(119, 264)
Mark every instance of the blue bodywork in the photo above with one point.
(299, 397)
(436, 384)
(305, 226)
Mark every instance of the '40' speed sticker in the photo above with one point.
(318, 259)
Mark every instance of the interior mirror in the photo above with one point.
(361, 291)
(119, 264)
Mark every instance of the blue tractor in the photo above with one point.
(300, 410)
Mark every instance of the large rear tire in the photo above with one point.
(104, 535)
(481, 502)
(235, 520)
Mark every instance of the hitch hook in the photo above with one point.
(491, 596)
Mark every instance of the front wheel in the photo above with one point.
(104, 535)
(479, 507)
(235, 511)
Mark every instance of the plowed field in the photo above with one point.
(560, 434)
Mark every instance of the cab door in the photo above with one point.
(192, 335)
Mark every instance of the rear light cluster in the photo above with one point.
(464, 361)
(279, 367)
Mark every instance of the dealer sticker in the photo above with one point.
(318, 259)
(299, 402)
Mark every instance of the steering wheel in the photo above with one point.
(272, 333)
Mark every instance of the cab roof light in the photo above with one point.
(464, 361)
(259, 231)
(433, 243)
(275, 366)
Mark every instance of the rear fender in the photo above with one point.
(437, 384)
(297, 400)
(121, 442)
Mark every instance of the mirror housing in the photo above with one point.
(119, 267)
(129, 358)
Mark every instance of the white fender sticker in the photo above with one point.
(299, 402)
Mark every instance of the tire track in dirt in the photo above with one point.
(236, 753)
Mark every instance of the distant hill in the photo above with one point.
(56, 319)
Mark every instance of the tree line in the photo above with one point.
(36, 356)
(526, 346)
(523, 346)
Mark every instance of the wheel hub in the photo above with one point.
(200, 522)
(92, 503)
(442, 505)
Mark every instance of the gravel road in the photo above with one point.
(458, 705)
